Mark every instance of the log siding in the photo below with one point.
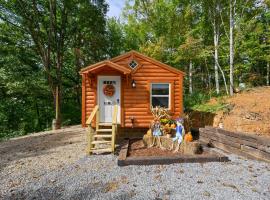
(135, 102)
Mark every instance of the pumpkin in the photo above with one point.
(188, 137)
(173, 126)
(167, 125)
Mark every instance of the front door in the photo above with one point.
(108, 96)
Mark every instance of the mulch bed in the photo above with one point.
(137, 148)
(133, 152)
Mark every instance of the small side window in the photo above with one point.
(133, 64)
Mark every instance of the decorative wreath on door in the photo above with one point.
(109, 90)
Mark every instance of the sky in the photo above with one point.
(115, 7)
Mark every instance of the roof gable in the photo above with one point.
(129, 56)
(133, 54)
(99, 65)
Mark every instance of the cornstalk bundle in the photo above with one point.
(159, 112)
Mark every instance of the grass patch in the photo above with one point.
(210, 108)
(206, 103)
(10, 134)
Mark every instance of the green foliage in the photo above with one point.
(210, 108)
(39, 52)
(28, 36)
(195, 99)
(200, 102)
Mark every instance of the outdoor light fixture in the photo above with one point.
(133, 84)
(132, 119)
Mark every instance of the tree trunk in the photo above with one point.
(56, 124)
(224, 79)
(190, 77)
(77, 54)
(38, 114)
(216, 40)
(58, 88)
(232, 12)
(208, 75)
(267, 73)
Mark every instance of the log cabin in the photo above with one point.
(117, 95)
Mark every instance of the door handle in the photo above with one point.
(118, 101)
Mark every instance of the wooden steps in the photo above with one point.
(99, 144)
(101, 140)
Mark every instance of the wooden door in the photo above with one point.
(109, 94)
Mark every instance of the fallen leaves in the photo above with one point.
(111, 186)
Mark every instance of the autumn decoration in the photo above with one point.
(109, 90)
(188, 137)
(168, 133)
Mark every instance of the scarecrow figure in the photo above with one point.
(155, 127)
(180, 132)
(158, 113)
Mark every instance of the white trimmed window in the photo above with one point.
(160, 95)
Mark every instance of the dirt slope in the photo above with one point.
(248, 112)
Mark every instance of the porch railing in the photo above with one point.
(114, 125)
(91, 130)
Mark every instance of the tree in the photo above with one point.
(213, 10)
(115, 34)
(49, 26)
(190, 51)
(232, 13)
(25, 101)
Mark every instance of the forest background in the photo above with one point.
(44, 44)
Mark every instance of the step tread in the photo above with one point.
(101, 142)
(104, 130)
(102, 136)
(105, 124)
(95, 150)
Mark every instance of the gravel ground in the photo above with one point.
(72, 175)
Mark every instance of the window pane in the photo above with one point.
(160, 101)
(133, 64)
(160, 89)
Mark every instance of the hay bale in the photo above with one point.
(147, 140)
(190, 148)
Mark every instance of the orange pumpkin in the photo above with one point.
(167, 125)
(188, 137)
(173, 126)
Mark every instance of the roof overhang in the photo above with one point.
(106, 63)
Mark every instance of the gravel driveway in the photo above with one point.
(54, 166)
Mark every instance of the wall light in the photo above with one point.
(133, 84)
